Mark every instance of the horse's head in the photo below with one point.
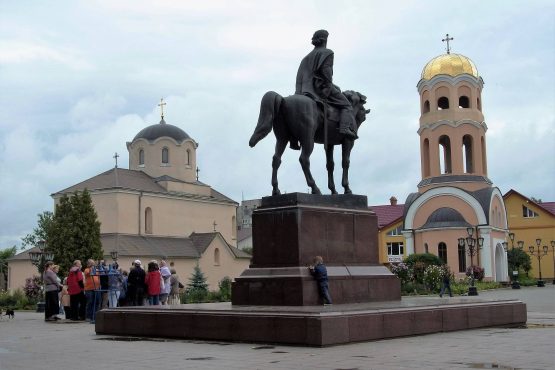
(357, 101)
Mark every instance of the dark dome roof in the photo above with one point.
(445, 217)
(154, 132)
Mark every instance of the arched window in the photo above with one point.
(148, 220)
(426, 157)
(188, 157)
(484, 161)
(165, 156)
(468, 154)
(426, 248)
(141, 157)
(462, 259)
(443, 103)
(442, 252)
(464, 102)
(217, 256)
(426, 107)
(445, 154)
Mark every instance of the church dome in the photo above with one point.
(445, 217)
(162, 129)
(449, 64)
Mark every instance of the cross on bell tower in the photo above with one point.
(447, 39)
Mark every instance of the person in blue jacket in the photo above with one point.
(320, 273)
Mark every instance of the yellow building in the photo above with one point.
(390, 237)
(530, 220)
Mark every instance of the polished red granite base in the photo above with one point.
(310, 325)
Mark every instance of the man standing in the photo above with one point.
(314, 79)
(136, 284)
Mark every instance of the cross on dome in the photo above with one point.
(447, 39)
(161, 105)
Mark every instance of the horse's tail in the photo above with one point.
(269, 109)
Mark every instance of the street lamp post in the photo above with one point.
(539, 253)
(514, 277)
(472, 246)
(553, 250)
(38, 259)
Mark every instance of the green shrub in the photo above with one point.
(224, 289)
(433, 276)
(426, 258)
(16, 300)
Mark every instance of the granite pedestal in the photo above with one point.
(290, 230)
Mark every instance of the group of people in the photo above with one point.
(85, 291)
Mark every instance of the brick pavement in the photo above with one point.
(27, 342)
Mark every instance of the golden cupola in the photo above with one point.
(449, 64)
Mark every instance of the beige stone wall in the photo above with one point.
(18, 271)
(228, 265)
(153, 166)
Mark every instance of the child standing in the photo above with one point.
(320, 273)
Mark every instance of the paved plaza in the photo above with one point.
(27, 342)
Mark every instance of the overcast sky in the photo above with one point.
(78, 79)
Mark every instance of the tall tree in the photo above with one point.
(75, 231)
(40, 232)
(4, 255)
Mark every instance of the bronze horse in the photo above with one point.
(300, 118)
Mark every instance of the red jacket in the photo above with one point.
(75, 276)
(152, 281)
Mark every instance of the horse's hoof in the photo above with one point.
(316, 191)
(333, 192)
(276, 192)
(348, 191)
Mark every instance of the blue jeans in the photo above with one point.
(153, 300)
(324, 292)
(93, 303)
(443, 288)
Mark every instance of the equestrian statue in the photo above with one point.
(318, 113)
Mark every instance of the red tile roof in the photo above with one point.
(548, 206)
(388, 214)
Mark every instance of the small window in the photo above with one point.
(165, 156)
(395, 232)
(188, 158)
(217, 256)
(442, 252)
(148, 220)
(528, 213)
(462, 259)
(443, 103)
(395, 249)
(426, 248)
(479, 104)
(141, 157)
(426, 108)
(464, 102)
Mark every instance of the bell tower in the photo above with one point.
(452, 128)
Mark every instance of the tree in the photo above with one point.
(197, 288)
(4, 255)
(40, 232)
(518, 259)
(75, 231)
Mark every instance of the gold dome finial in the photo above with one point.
(447, 39)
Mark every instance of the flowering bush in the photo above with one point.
(417, 272)
(432, 276)
(402, 271)
(33, 288)
(477, 271)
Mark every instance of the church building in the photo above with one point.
(457, 213)
(158, 209)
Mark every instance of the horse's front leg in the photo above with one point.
(306, 151)
(330, 167)
(345, 162)
(276, 162)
